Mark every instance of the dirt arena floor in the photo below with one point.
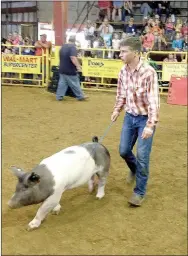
(35, 125)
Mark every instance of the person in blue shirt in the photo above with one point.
(130, 28)
(177, 44)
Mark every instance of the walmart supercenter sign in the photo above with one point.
(20, 64)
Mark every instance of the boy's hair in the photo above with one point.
(133, 42)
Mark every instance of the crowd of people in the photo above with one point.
(11, 45)
(160, 29)
(17, 44)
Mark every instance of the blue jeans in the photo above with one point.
(66, 81)
(133, 127)
(145, 9)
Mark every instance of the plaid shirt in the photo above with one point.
(138, 92)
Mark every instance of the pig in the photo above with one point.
(69, 168)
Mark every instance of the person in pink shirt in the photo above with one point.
(148, 40)
(15, 38)
(105, 6)
(184, 29)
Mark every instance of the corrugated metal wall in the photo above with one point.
(9, 20)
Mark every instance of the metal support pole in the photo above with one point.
(60, 9)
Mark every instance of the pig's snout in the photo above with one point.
(13, 205)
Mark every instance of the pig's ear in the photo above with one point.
(18, 172)
(33, 178)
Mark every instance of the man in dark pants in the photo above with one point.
(138, 94)
(68, 76)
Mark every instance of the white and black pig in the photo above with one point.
(67, 169)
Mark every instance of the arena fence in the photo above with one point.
(100, 68)
(23, 69)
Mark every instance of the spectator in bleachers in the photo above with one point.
(177, 44)
(28, 51)
(116, 42)
(171, 58)
(179, 25)
(147, 8)
(105, 28)
(117, 7)
(130, 28)
(89, 31)
(163, 7)
(169, 29)
(3, 41)
(42, 45)
(21, 41)
(106, 31)
(185, 43)
(123, 36)
(127, 10)
(116, 45)
(104, 7)
(150, 21)
(148, 40)
(15, 38)
(145, 22)
(184, 29)
(98, 43)
(9, 39)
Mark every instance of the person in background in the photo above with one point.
(105, 6)
(117, 6)
(177, 44)
(89, 31)
(163, 7)
(21, 41)
(106, 31)
(18, 50)
(158, 31)
(138, 95)
(130, 28)
(28, 51)
(147, 8)
(9, 39)
(15, 38)
(184, 29)
(169, 29)
(178, 26)
(148, 40)
(68, 68)
(171, 58)
(7, 74)
(105, 28)
(144, 24)
(127, 10)
(43, 45)
(116, 45)
(185, 43)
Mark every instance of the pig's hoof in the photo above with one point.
(33, 225)
(91, 186)
(56, 210)
(100, 195)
